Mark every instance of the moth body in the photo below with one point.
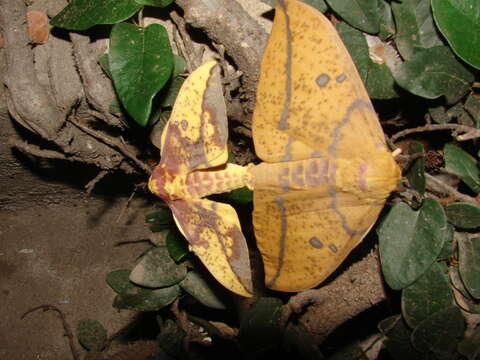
(371, 180)
(198, 184)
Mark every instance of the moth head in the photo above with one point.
(158, 182)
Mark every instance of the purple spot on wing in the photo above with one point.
(341, 78)
(315, 242)
(322, 80)
(333, 248)
(184, 124)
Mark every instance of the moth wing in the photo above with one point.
(311, 101)
(304, 236)
(215, 236)
(195, 136)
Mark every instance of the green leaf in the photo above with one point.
(469, 267)
(179, 65)
(397, 341)
(241, 196)
(463, 165)
(83, 14)
(377, 78)
(447, 250)
(470, 347)
(176, 245)
(434, 72)
(440, 333)
(320, 5)
(172, 91)
(427, 295)
(387, 24)
(141, 62)
(439, 114)
(103, 61)
(459, 22)
(119, 281)
(156, 3)
(142, 299)
(416, 172)
(362, 14)
(472, 105)
(203, 291)
(157, 269)
(298, 337)
(163, 216)
(91, 335)
(259, 329)
(463, 215)
(415, 27)
(410, 241)
(462, 297)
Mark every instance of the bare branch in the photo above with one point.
(468, 133)
(227, 23)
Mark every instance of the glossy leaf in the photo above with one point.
(463, 215)
(240, 196)
(433, 72)
(171, 91)
(459, 22)
(427, 295)
(83, 14)
(472, 105)
(259, 328)
(410, 241)
(141, 62)
(362, 14)
(163, 216)
(91, 335)
(469, 259)
(176, 245)
(156, 3)
(416, 172)
(377, 77)
(439, 114)
(205, 292)
(463, 165)
(119, 281)
(142, 299)
(415, 27)
(397, 340)
(440, 333)
(447, 250)
(157, 269)
(387, 24)
(462, 297)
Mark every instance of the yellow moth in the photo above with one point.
(326, 172)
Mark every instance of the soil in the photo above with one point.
(59, 255)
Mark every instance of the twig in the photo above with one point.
(34, 150)
(127, 204)
(439, 186)
(469, 133)
(91, 184)
(120, 146)
(66, 326)
(185, 44)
